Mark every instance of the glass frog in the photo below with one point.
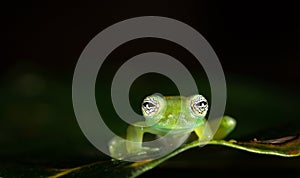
(173, 115)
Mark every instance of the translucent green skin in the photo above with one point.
(175, 118)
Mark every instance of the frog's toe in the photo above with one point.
(117, 148)
(143, 150)
(143, 153)
(150, 149)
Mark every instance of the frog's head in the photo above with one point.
(174, 112)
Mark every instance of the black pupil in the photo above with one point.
(148, 104)
(201, 103)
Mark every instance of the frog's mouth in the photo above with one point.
(186, 122)
(174, 130)
(176, 123)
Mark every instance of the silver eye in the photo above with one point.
(150, 106)
(199, 105)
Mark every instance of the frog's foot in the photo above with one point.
(143, 153)
(118, 150)
(117, 147)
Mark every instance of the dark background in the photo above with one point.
(257, 44)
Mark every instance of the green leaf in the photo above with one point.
(288, 146)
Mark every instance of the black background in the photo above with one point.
(251, 38)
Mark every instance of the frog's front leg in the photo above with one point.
(135, 134)
(204, 132)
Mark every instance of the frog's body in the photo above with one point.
(174, 115)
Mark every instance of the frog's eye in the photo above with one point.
(199, 105)
(151, 105)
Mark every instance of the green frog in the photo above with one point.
(172, 115)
